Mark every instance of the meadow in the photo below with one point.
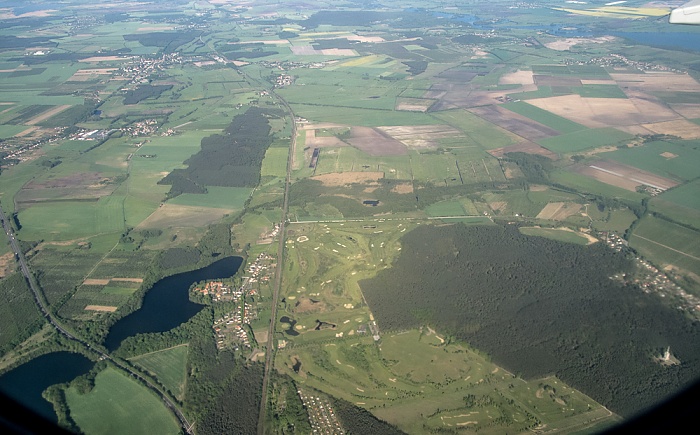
(682, 162)
(168, 366)
(584, 140)
(119, 404)
(666, 243)
(549, 119)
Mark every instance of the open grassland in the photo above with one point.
(617, 220)
(359, 116)
(275, 162)
(350, 159)
(118, 404)
(586, 139)
(417, 382)
(586, 184)
(67, 221)
(482, 133)
(229, 198)
(665, 243)
(562, 125)
(676, 160)
(168, 366)
(559, 234)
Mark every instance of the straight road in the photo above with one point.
(270, 351)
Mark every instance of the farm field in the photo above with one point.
(675, 160)
(561, 235)
(667, 244)
(583, 140)
(119, 404)
(168, 366)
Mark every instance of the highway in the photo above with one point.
(41, 304)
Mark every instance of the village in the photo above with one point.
(652, 280)
(232, 327)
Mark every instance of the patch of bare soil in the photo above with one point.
(403, 188)
(639, 108)
(421, 136)
(7, 263)
(345, 178)
(679, 127)
(103, 308)
(375, 142)
(498, 205)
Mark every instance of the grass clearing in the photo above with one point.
(559, 234)
(585, 139)
(229, 198)
(118, 404)
(544, 117)
(665, 243)
(168, 366)
(675, 160)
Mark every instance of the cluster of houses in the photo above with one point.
(652, 280)
(321, 415)
(229, 329)
(260, 267)
(140, 70)
(220, 292)
(620, 60)
(283, 80)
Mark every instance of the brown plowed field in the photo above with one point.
(515, 123)
(375, 142)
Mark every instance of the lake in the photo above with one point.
(26, 383)
(167, 304)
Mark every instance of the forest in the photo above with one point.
(230, 159)
(540, 307)
(143, 92)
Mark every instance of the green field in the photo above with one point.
(482, 133)
(275, 162)
(544, 117)
(665, 243)
(230, 198)
(7, 130)
(168, 366)
(600, 91)
(582, 183)
(685, 166)
(561, 235)
(446, 208)
(118, 404)
(584, 140)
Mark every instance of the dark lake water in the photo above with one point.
(26, 383)
(167, 304)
